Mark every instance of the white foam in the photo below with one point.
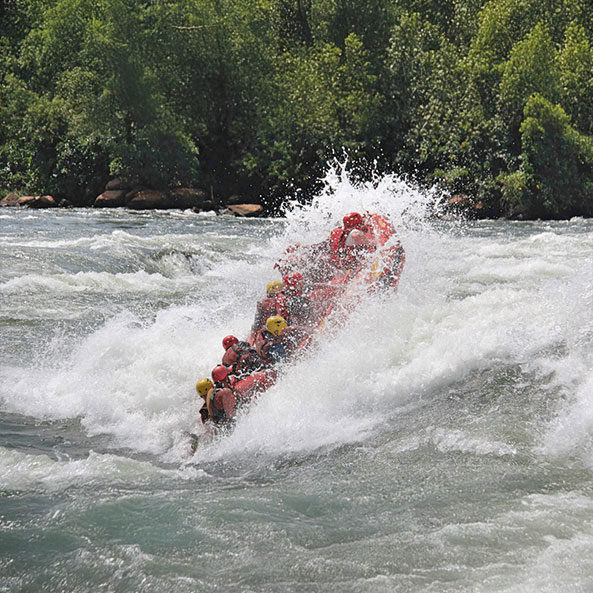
(23, 472)
(545, 547)
(139, 281)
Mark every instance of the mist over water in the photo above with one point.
(439, 440)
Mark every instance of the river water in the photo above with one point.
(441, 440)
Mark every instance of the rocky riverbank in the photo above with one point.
(119, 194)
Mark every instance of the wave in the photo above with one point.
(102, 282)
(22, 472)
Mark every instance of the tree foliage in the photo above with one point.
(491, 98)
(557, 162)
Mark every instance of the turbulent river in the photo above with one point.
(441, 440)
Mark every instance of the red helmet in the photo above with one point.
(352, 221)
(219, 373)
(293, 283)
(228, 342)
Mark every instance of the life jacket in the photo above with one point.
(241, 358)
(265, 379)
(340, 255)
(230, 356)
(337, 239)
(297, 309)
(248, 387)
(350, 257)
(264, 309)
(245, 388)
(216, 414)
(269, 347)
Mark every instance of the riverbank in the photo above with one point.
(119, 194)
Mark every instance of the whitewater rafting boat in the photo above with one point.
(320, 281)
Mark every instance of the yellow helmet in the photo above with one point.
(203, 386)
(276, 324)
(273, 287)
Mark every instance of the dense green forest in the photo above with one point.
(491, 99)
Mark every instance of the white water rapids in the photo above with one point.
(441, 440)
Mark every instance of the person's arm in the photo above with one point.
(204, 413)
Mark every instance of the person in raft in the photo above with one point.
(266, 307)
(350, 243)
(272, 342)
(223, 398)
(292, 303)
(301, 310)
(220, 401)
(203, 386)
(239, 356)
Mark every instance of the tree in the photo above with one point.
(557, 163)
(576, 77)
(531, 68)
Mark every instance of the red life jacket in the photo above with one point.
(239, 357)
(232, 354)
(264, 309)
(349, 257)
(341, 256)
(245, 388)
(297, 309)
(265, 380)
(216, 414)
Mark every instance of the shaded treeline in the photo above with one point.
(254, 97)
